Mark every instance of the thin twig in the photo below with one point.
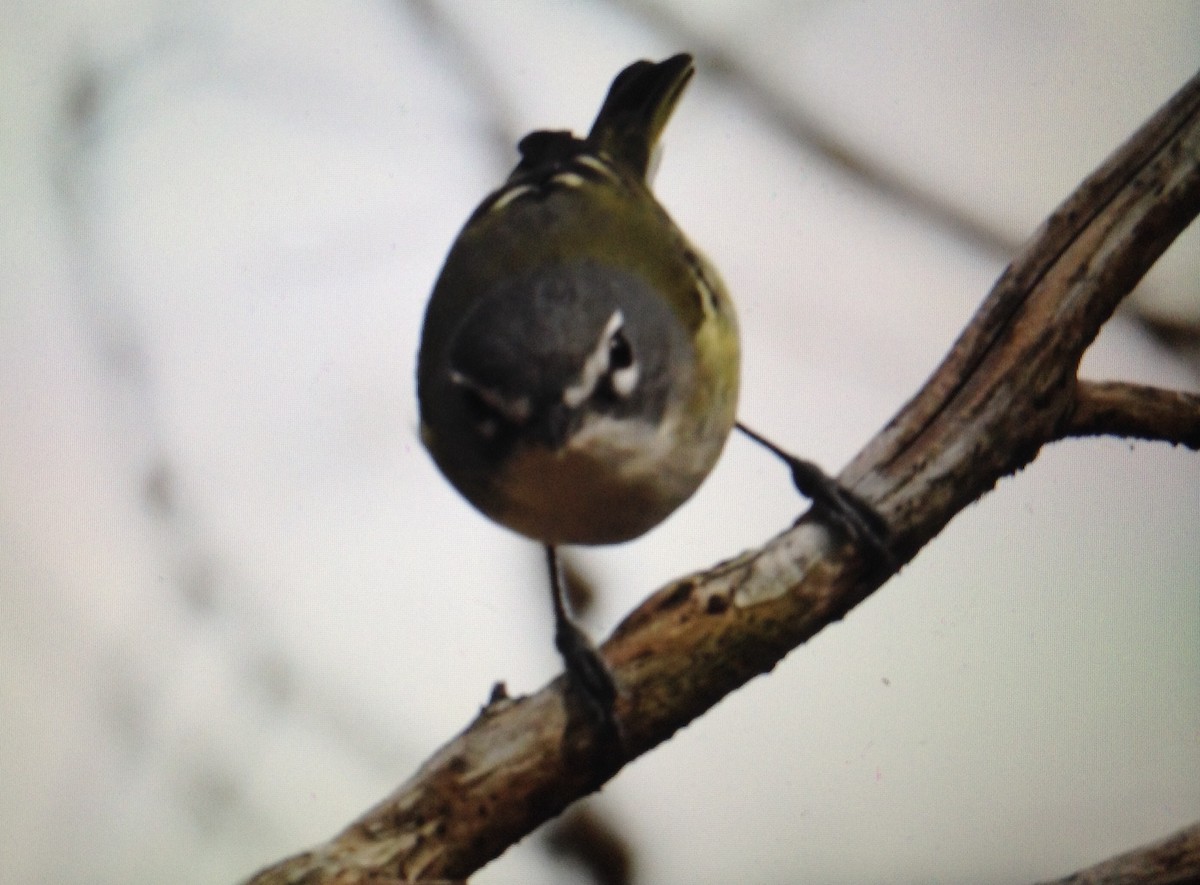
(1116, 408)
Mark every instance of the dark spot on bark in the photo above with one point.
(678, 596)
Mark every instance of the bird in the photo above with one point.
(579, 363)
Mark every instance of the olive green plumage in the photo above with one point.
(578, 370)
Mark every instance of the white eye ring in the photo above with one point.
(625, 380)
(595, 366)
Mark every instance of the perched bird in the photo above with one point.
(579, 361)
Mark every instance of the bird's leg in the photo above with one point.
(584, 666)
(831, 499)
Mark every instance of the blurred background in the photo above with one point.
(239, 605)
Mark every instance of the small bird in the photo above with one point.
(579, 362)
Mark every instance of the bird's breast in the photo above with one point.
(614, 480)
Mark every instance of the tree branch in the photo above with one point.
(1174, 860)
(1115, 408)
(1007, 387)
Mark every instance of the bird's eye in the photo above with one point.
(620, 354)
(478, 408)
(489, 410)
(482, 415)
(623, 372)
(610, 372)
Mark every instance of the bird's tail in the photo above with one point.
(636, 110)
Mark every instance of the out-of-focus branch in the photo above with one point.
(813, 135)
(1007, 387)
(1172, 861)
(594, 844)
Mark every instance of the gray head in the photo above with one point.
(541, 353)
